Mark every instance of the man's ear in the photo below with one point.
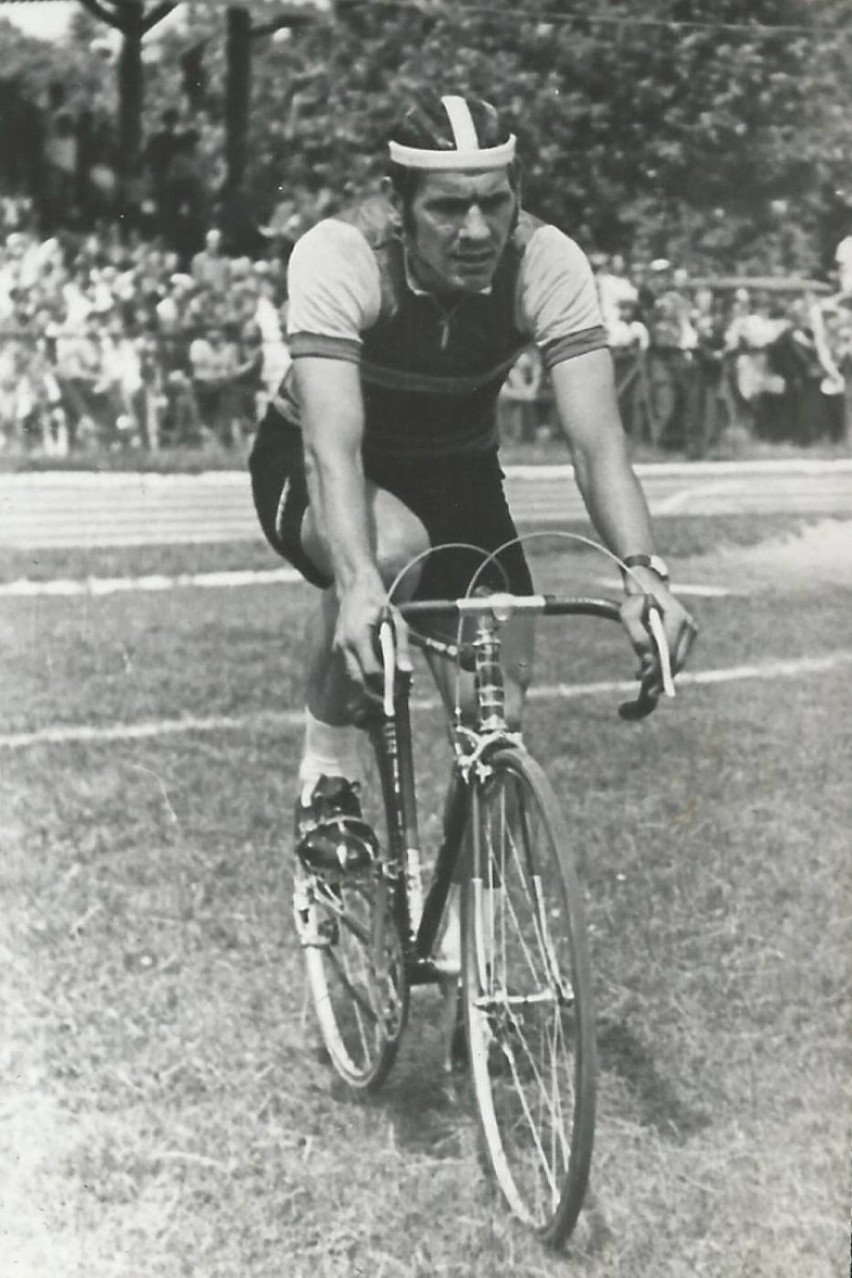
(394, 199)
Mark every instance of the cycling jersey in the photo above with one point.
(431, 369)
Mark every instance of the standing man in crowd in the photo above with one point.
(406, 314)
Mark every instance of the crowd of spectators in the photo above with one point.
(106, 343)
(111, 341)
(770, 358)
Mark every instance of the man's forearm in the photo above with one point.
(339, 498)
(614, 500)
(588, 413)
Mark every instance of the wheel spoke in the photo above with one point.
(341, 967)
(529, 1007)
(358, 979)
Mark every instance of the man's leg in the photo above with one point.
(332, 746)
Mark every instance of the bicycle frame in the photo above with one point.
(419, 919)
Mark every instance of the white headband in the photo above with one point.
(490, 157)
(467, 154)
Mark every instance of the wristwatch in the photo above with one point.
(654, 562)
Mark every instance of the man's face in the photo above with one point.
(460, 224)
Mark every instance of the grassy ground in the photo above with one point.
(677, 536)
(161, 1114)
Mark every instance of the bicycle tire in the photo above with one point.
(527, 991)
(356, 974)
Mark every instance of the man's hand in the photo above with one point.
(679, 626)
(362, 606)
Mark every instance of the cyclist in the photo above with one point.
(406, 313)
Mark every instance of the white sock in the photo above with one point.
(329, 751)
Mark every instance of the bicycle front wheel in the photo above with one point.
(528, 1000)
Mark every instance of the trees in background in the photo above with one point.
(654, 128)
(694, 141)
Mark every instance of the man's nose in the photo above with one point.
(475, 226)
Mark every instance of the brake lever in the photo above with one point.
(387, 647)
(658, 680)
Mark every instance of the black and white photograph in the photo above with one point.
(425, 676)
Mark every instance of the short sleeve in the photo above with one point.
(558, 300)
(334, 292)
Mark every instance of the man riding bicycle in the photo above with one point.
(406, 313)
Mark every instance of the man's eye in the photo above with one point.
(450, 208)
(494, 203)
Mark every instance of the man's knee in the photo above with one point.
(401, 542)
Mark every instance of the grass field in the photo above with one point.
(162, 1114)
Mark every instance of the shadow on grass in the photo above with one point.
(660, 1107)
(431, 1114)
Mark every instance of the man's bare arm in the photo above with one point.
(589, 417)
(588, 414)
(332, 413)
(332, 408)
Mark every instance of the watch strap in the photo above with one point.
(654, 562)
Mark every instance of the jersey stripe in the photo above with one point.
(574, 344)
(319, 344)
(424, 383)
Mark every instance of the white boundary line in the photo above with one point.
(155, 480)
(151, 583)
(74, 734)
(97, 587)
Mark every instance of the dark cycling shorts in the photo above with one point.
(457, 498)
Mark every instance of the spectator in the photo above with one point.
(215, 365)
(843, 261)
(629, 341)
(521, 396)
(706, 393)
(267, 316)
(673, 340)
(210, 268)
(248, 378)
(79, 373)
(614, 288)
(751, 333)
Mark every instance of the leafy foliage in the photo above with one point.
(703, 143)
(724, 146)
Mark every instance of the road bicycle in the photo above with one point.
(524, 986)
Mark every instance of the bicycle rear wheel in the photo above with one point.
(528, 1000)
(355, 966)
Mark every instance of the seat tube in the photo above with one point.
(392, 741)
(408, 806)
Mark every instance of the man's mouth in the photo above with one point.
(477, 262)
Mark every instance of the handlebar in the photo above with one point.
(656, 682)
